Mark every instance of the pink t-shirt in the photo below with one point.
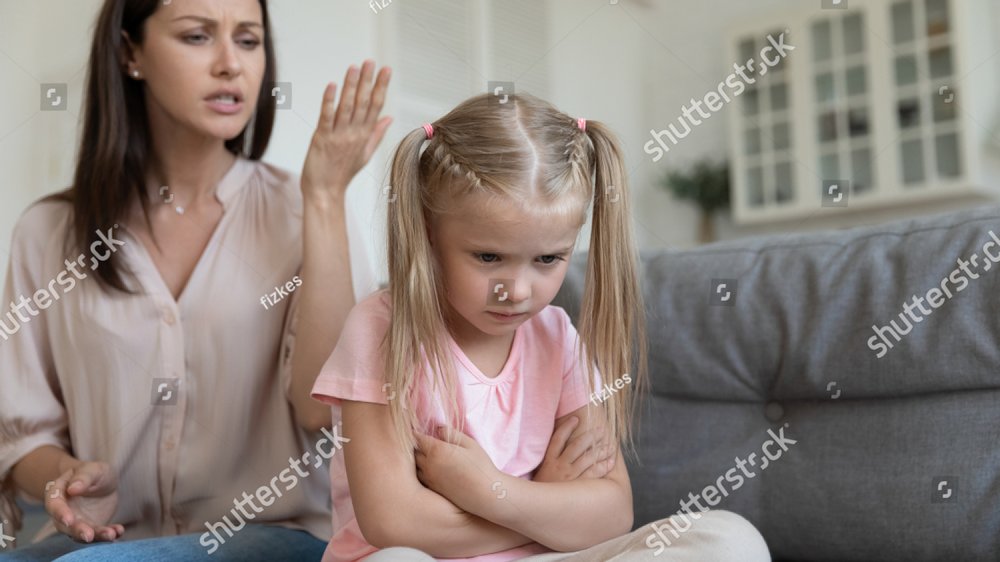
(511, 416)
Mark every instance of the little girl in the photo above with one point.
(475, 432)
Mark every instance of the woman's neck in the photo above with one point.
(190, 165)
(188, 176)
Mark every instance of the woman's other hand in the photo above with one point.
(82, 501)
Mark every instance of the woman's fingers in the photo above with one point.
(81, 531)
(378, 94)
(380, 129)
(345, 111)
(363, 96)
(55, 500)
(328, 111)
(89, 477)
(108, 533)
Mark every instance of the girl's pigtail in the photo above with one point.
(612, 317)
(413, 286)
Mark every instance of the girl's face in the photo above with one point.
(202, 62)
(500, 267)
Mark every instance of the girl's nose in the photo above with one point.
(521, 290)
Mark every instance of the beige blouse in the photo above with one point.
(186, 400)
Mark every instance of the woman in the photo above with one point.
(155, 383)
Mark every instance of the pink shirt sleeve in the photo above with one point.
(354, 370)
(575, 392)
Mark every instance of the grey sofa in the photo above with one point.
(895, 457)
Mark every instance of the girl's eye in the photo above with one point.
(549, 260)
(488, 258)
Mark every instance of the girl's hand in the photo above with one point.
(455, 466)
(583, 454)
(347, 135)
(82, 501)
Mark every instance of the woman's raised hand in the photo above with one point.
(347, 135)
(82, 501)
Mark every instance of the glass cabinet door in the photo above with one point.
(926, 97)
(766, 129)
(842, 100)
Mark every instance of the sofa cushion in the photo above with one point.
(882, 427)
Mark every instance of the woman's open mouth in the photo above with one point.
(226, 104)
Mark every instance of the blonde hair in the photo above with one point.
(524, 150)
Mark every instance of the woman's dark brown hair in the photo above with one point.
(115, 142)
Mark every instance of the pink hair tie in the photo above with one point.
(429, 129)
(582, 123)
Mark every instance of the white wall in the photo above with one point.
(40, 42)
(630, 63)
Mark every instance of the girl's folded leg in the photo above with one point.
(253, 543)
(400, 554)
(715, 535)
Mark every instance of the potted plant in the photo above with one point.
(706, 185)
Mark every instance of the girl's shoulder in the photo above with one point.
(371, 314)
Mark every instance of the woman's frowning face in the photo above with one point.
(202, 62)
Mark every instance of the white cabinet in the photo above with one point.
(884, 103)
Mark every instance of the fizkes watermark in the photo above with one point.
(281, 292)
(608, 390)
(44, 298)
(213, 539)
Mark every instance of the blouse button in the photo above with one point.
(168, 317)
(169, 445)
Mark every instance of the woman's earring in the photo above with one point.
(135, 74)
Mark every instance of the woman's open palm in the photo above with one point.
(347, 135)
(83, 500)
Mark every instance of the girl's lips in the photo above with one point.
(507, 317)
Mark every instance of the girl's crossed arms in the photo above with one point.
(580, 496)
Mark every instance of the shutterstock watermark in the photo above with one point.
(736, 83)
(735, 477)
(213, 539)
(47, 296)
(958, 279)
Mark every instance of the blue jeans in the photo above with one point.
(255, 542)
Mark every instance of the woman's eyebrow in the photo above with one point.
(210, 21)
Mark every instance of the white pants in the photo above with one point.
(720, 536)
